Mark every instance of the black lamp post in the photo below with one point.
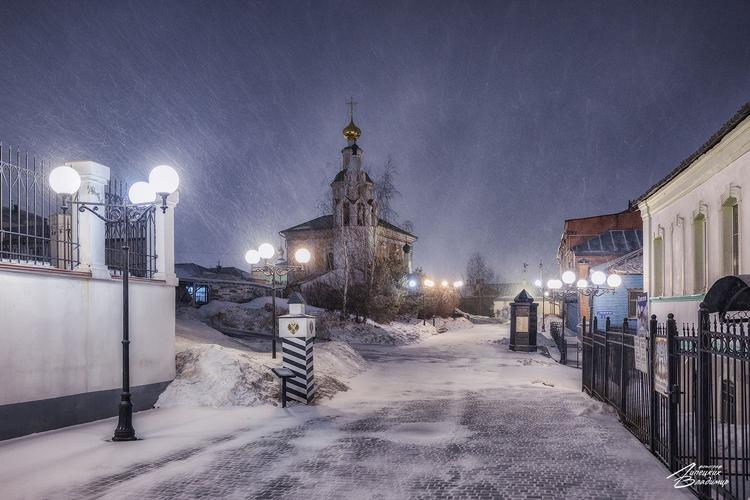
(274, 270)
(163, 181)
(566, 287)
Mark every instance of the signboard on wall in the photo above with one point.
(661, 366)
(642, 311)
(640, 348)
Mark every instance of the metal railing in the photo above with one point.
(688, 398)
(33, 229)
(141, 237)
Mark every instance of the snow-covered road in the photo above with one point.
(455, 416)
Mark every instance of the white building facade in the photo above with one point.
(61, 327)
(696, 224)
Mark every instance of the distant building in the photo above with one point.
(696, 222)
(353, 233)
(507, 292)
(589, 242)
(623, 303)
(199, 285)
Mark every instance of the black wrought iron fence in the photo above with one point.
(140, 237)
(33, 229)
(570, 352)
(683, 391)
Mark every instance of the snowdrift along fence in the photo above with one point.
(689, 398)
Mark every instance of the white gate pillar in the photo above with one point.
(89, 228)
(297, 332)
(164, 245)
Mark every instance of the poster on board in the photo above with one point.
(661, 366)
(642, 314)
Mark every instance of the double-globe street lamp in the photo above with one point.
(601, 284)
(162, 181)
(274, 269)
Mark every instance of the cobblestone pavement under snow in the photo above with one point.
(453, 418)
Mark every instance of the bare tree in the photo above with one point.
(386, 191)
(478, 276)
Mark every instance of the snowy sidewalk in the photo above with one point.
(455, 416)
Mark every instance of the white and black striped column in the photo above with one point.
(297, 354)
(297, 332)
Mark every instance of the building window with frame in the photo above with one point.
(633, 294)
(658, 248)
(329, 261)
(699, 254)
(346, 213)
(731, 239)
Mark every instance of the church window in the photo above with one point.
(360, 214)
(346, 213)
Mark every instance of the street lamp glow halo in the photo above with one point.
(412, 283)
(568, 277)
(444, 284)
(141, 192)
(582, 283)
(302, 255)
(598, 278)
(614, 280)
(429, 283)
(538, 283)
(252, 257)
(266, 251)
(64, 180)
(164, 179)
(458, 284)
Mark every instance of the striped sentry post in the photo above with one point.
(297, 332)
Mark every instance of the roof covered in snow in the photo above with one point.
(326, 222)
(631, 263)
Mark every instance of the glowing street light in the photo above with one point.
(266, 251)
(598, 278)
(412, 283)
(568, 277)
(444, 284)
(582, 283)
(429, 283)
(538, 283)
(458, 284)
(163, 180)
(614, 280)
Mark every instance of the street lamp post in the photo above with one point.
(162, 181)
(543, 291)
(564, 288)
(274, 270)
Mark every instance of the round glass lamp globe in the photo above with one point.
(164, 179)
(582, 283)
(598, 278)
(429, 283)
(444, 284)
(64, 180)
(568, 277)
(614, 280)
(412, 283)
(538, 283)
(458, 284)
(266, 251)
(141, 192)
(252, 257)
(302, 255)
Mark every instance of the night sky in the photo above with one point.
(504, 118)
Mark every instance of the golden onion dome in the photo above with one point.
(352, 131)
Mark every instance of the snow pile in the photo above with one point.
(216, 370)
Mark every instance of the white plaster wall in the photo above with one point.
(60, 333)
(709, 180)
